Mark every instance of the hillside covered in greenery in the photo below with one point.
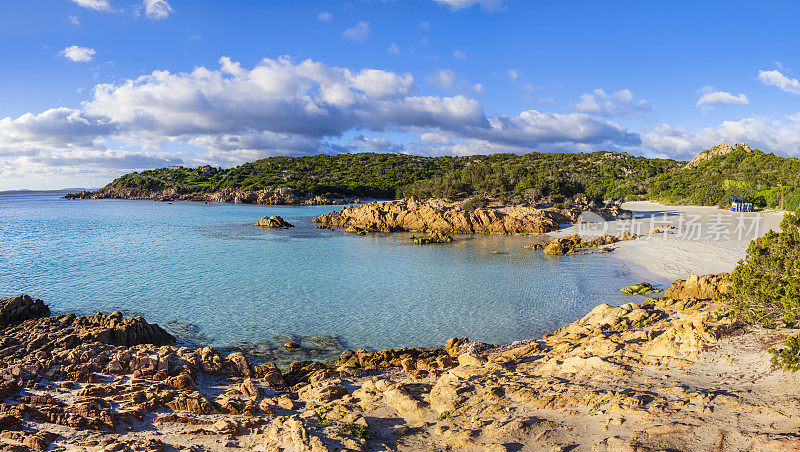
(533, 177)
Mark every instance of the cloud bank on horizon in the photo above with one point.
(229, 113)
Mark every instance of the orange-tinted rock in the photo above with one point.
(409, 215)
(700, 287)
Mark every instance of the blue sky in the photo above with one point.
(92, 89)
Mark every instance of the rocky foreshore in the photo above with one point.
(575, 243)
(277, 196)
(453, 217)
(669, 373)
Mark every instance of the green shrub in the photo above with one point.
(359, 431)
(475, 203)
(765, 286)
(787, 358)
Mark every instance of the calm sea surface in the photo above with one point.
(209, 267)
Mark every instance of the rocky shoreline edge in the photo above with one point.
(276, 196)
(458, 217)
(432, 215)
(646, 376)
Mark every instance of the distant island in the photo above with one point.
(30, 192)
(534, 179)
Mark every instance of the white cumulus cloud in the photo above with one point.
(157, 9)
(711, 98)
(757, 132)
(78, 54)
(231, 114)
(776, 78)
(324, 16)
(619, 103)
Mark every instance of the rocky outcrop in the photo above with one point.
(114, 329)
(574, 243)
(451, 217)
(273, 222)
(705, 287)
(718, 150)
(410, 215)
(20, 308)
(277, 196)
(417, 362)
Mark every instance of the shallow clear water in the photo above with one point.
(209, 266)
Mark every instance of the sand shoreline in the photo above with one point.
(705, 240)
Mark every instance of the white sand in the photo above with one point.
(706, 239)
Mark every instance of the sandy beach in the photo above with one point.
(704, 240)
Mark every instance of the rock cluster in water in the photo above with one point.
(273, 222)
(644, 288)
(276, 196)
(432, 237)
(450, 217)
(574, 243)
(411, 215)
(632, 377)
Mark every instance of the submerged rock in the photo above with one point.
(644, 288)
(433, 237)
(574, 243)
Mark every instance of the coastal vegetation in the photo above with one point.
(549, 178)
(766, 179)
(765, 286)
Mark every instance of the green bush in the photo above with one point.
(475, 202)
(787, 358)
(765, 286)
(359, 431)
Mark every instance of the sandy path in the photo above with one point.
(705, 239)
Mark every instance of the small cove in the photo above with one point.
(212, 277)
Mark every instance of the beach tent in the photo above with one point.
(740, 205)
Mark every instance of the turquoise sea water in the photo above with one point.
(209, 266)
